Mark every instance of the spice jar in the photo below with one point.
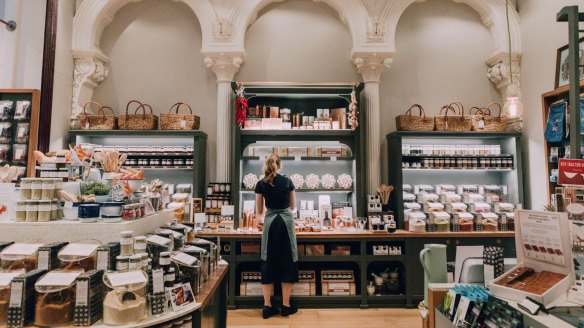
(5, 280)
(48, 189)
(135, 262)
(55, 210)
(170, 278)
(140, 244)
(79, 256)
(122, 263)
(142, 210)
(25, 188)
(127, 243)
(21, 211)
(32, 211)
(144, 261)
(128, 212)
(36, 189)
(44, 211)
(55, 301)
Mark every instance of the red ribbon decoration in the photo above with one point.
(240, 111)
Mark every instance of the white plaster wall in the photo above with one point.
(541, 37)
(154, 47)
(298, 41)
(21, 51)
(441, 51)
(62, 91)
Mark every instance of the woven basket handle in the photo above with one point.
(89, 103)
(144, 108)
(177, 106)
(140, 105)
(458, 105)
(491, 105)
(102, 110)
(422, 111)
(479, 111)
(445, 109)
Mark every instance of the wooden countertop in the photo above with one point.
(342, 234)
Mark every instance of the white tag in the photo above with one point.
(16, 294)
(43, 261)
(528, 305)
(78, 250)
(54, 278)
(375, 220)
(184, 258)
(21, 249)
(334, 158)
(481, 124)
(126, 278)
(102, 260)
(183, 124)
(297, 158)
(68, 205)
(82, 293)
(200, 218)
(158, 240)
(20, 133)
(227, 210)
(18, 154)
(118, 192)
(6, 277)
(158, 280)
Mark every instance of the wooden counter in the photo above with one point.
(343, 234)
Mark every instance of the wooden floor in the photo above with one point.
(328, 318)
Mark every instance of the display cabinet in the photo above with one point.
(19, 124)
(554, 150)
(455, 158)
(175, 156)
(330, 150)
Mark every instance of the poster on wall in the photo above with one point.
(571, 172)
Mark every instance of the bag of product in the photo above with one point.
(556, 122)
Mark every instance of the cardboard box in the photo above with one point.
(535, 227)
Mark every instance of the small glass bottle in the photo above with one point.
(21, 211)
(48, 189)
(25, 188)
(32, 209)
(127, 243)
(169, 277)
(144, 256)
(140, 244)
(128, 212)
(36, 189)
(122, 263)
(135, 262)
(164, 261)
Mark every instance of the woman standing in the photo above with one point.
(279, 253)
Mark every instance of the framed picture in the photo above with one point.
(562, 75)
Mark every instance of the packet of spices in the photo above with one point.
(47, 257)
(89, 295)
(106, 256)
(21, 307)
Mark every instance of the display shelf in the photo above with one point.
(317, 191)
(71, 231)
(306, 258)
(509, 144)
(302, 99)
(169, 173)
(33, 96)
(547, 99)
(457, 169)
(302, 158)
(386, 258)
(455, 156)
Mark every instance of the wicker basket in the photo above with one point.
(175, 121)
(408, 122)
(99, 121)
(145, 121)
(457, 122)
(484, 121)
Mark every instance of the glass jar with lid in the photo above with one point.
(32, 208)
(55, 300)
(44, 211)
(55, 205)
(122, 263)
(21, 211)
(79, 256)
(25, 188)
(36, 189)
(140, 244)
(125, 301)
(127, 243)
(48, 189)
(135, 262)
(128, 212)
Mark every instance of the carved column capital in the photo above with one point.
(498, 72)
(89, 70)
(371, 65)
(224, 65)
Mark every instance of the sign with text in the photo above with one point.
(571, 172)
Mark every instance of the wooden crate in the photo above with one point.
(338, 283)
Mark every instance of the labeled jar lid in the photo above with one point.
(127, 233)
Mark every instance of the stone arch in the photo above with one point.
(492, 13)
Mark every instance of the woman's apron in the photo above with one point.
(288, 219)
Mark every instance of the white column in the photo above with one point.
(371, 65)
(224, 66)
(90, 69)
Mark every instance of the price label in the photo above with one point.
(333, 158)
(118, 192)
(82, 293)
(158, 280)
(43, 261)
(183, 124)
(16, 294)
(297, 158)
(68, 205)
(102, 260)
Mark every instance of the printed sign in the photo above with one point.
(571, 172)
